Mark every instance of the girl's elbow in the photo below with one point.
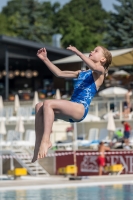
(59, 75)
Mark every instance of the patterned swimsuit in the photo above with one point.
(84, 91)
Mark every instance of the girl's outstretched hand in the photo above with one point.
(42, 54)
(72, 48)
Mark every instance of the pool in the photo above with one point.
(114, 192)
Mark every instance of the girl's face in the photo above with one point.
(97, 55)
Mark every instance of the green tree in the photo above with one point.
(120, 26)
(3, 25)
(30, 19)
(81, 23)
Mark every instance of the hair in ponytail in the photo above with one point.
(108, 57)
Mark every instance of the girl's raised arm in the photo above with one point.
(97, 68)
(42, 54)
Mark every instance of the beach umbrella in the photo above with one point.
(20, 126)
(115, 114)
(1, 103)
(57, 94)
(35, 99)
(121, 73)
(113, 92)
(16, 103)
(111, 123)
(1, 109)
(2, 127)
(2, 130)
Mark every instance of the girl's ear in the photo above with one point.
(103, 59)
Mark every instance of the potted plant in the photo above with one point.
(26, 96)
(42, 96)
(11, 97)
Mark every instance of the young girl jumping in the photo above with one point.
(76, 109)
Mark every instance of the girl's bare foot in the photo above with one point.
(43, 149)
(40, 148)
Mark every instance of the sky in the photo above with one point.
(106, 4)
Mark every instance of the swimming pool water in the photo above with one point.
(114, 192)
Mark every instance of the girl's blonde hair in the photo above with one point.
(108, 57)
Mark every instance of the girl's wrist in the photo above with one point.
(78, 53)
(45, 59)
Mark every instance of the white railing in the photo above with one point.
(102, 107)
(98, 107)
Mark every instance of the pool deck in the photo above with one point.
(60, 182)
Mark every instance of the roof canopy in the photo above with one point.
(121, 57)
(14, 41)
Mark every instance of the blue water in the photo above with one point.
(115, 192)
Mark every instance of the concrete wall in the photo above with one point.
(48, 164)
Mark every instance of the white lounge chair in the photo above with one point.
(93, 134)
(29, 139)
(9, 114)
(103, 135)
(92, 138)
(13, 139)
(26, 113)
(11, 136)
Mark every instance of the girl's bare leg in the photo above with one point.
(46, 112)
(61, 109)
(39, 128)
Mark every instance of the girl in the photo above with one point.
(75, 110)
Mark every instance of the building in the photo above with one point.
(20, 69)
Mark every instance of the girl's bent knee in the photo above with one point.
(46, 103)
(38, 105)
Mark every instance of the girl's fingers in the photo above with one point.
(41, 50)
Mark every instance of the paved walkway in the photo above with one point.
(60, 181)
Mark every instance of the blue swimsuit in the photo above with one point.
(84, 91)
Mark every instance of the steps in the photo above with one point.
(34, 169)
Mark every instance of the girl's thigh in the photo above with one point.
(66, 110)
